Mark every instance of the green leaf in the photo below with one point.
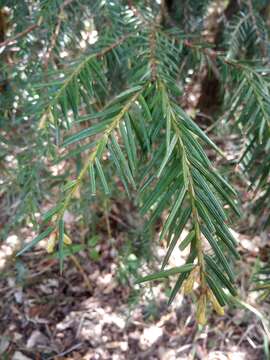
(101, 147)
(180, 223)
(208, 194)
(127, 146)
(120, 172)
(145, 108)
(126, 94)
(223, 279)
(163, 201)
(187, 240)
(131, 140)
(179, 228)
(217, 290)
(165, 273)
(212, 176)
(141, 135)
(195, 129)
(64, 105)
(181, 279)
(160, 189)
(77, 151)
(70, 184)
(86, 79)
(218, 252)
(36, 240)
(143, 131)
(168, 154)
(216, 184)
(102, 177)
(185, 170)
(193, 146)
(85, 133)
(210, 205)
(72, 92)
(205, 217)
(225, 236)
(171, 217)
(122, 161)
(168, 132)
(92, 179)
(108, 113)
(49, 214)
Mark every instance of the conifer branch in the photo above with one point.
(101, 144)
(75, 73)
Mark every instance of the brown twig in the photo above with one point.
(56, 32)
(82, 272)
(213, 54)
(19, 35)
(107, 219)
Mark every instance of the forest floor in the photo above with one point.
(90, 313)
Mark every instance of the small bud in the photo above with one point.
(189, 283)
(67, 240)
(201, 310)
(216, 305)
(51, 242)
(47, 116)
(43, 121)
